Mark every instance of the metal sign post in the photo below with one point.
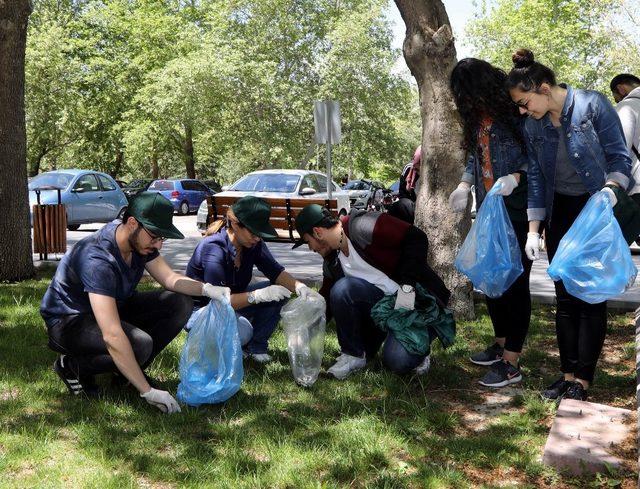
(328, 130)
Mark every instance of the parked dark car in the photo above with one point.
(136, 186)
(121, 183)
(186, 195)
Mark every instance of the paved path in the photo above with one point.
(307, 266)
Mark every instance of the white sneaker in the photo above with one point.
(260, 357)
(345, 365)
(424, 367)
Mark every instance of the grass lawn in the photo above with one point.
(373, 430)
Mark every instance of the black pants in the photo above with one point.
(511, 312)
(580, 326)
(403, 209)
(149, 319)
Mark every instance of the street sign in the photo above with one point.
(326, 119)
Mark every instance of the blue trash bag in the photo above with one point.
(211, 361)
(490, 255)
(593, 259)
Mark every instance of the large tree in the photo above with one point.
(430, 54)
(15, 237)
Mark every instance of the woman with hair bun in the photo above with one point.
(493, 140)
(576, 148)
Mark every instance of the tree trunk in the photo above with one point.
(187, 148)
(155, 171)
(117, 164)
(430, 54)
(15, 235)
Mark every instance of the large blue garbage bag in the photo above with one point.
(211, 362)
(490, 255)
(593, 259)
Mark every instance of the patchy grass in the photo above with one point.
(372, 430)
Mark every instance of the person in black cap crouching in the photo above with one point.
(367, 256)
(96, 319)
(226, 256)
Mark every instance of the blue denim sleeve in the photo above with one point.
(267, 264)
(469, 170)
(611, 136)
(536, 210)
(213, 261)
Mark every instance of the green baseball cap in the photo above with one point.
(306, 219)
(155, 213)
(254, 213)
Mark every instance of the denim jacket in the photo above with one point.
(595, 145)
(507, 156)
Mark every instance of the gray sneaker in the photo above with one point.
(501, 374)
(491, 355)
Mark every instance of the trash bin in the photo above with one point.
(49, 227)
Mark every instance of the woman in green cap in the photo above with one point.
(226, 256)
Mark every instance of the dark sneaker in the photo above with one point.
(75, 384)
(557, 389)
(491, 355)
(576, 391)
(501, 374)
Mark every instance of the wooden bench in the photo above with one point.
(283, 212)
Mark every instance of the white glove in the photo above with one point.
(162, 400)
(611, 194)
(304, 291)
(270, 294)
(405, 300)
(459, 197)
(532, 247)
(508, 184)
(217, 293)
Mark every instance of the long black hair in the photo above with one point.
(479, 90)
(527, 74)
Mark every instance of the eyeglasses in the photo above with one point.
(154, 239)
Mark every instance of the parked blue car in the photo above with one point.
(89, 196)
(186, 195)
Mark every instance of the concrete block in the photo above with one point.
(583, 435)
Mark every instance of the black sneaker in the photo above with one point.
(75, 384)
(491, 355)
(501, 374)
(576, 391)
(557, 389)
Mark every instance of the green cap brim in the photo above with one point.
(265, 230)
(170, 232)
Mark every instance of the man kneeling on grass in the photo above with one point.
(97, 320)
(369, 255)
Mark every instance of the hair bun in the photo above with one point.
(522, 58)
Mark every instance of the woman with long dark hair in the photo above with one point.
(576, 148)
(496, 152)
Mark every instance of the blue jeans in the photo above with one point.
(351, 302)
(262, 318)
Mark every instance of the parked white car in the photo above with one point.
(282, 184)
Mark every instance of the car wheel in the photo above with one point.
(184, 208)
(73, 227)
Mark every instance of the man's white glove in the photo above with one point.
(304, 291)
(459, 197)
(162, 400)
(611, 194)
(508, 185)
(270, 294)
(404, 299)
(532, 247)
(217, 293)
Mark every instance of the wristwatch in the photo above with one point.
(407, 289)
(251, 299)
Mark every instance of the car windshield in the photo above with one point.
(161, 185)
(356, 185)
(48, 181)
(267, 182)
(137, 184)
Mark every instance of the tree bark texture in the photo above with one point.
(155, 171)
(189, 159)
(15, 236)
(430, 54)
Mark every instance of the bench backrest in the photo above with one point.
(283, 211)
